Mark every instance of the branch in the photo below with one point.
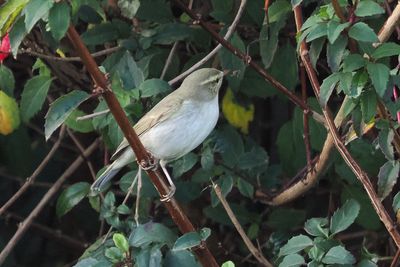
(390, 24)
(31, 179)
(24, 226)
(293, 97)
(256, 252)
(157, 178)
(228, 35)
(104, 52)
(51, 233)
(357, 170)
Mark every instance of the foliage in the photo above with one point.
(256, 149)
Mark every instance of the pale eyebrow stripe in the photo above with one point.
(210, 79)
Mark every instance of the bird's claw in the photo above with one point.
(171, 193)
(149, 164)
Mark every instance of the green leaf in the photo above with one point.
(100, 34)
(345, 216)
(387, 178)
(17, 34)
(181, 258)
(385, 139)
(368, 8)
(33, 96)
(245, 188)
(7, 81)
(231, 62)
(396, 202)
(315, 50)
(121, 242)
(277, 11)
(386, 50)
(81, 126)
(229, 144)
(338, 255)
(316, 227)
(357, 84)
(293, 260)
(269, 39)
(335, 52)
(295, 244)
(71, 196)
(114, 254)
(60, 110)
(130, 74)
(184, 164)
(222, 10)
(327, 86)
(317, 31)
(334, 30)
(156, 10)
(153, 87)
(207, 158)
(35, 10)
(353, 62)
(368, 105)
(228, 264)
(379, 74)
(255, 158)
(204, 233)
(187, 241)
(363, 33)
(146, 234)
(59, 19)
(129, 7)
(123, 209)
(9, 11)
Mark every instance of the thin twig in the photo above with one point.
(35, 174)
(24, 226)
(256, 252)
(228, 35)
(104, 52)
(395, 259)
(51, 233)
(169, 60)
(81, 149)
(96, 114)
(137, 202)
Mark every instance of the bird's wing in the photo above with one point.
(166, 108)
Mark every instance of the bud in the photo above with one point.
(5, 47)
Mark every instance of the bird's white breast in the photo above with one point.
(182, 132)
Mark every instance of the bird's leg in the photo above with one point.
(172, 188)
(152, 164)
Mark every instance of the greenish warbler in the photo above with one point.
(175, 126)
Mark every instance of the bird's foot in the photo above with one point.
(149, 164)
(171, 193)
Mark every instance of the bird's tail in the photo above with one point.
(106, 176)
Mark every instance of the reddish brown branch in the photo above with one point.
(338, 10)
(157, 178)
(24, 226)
(31, 179)
(357, 170)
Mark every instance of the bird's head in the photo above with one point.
(203, 84)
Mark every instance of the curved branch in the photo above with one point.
(228, 35)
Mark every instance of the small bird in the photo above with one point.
(175, 126)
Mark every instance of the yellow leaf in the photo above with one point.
(9, 114)
(237, 115)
